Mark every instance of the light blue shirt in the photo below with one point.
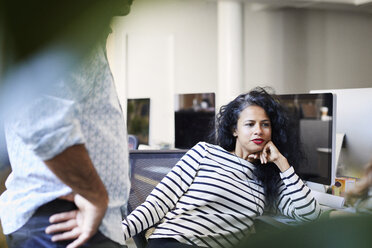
(82, 109)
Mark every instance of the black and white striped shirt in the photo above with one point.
(211, 197)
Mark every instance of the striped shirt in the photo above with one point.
(211, 197)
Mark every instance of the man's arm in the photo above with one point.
(75, 168)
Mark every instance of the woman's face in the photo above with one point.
(253, 130)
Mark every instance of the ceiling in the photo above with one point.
(350, 5)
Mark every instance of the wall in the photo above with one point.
(292, 50)
(296, 50)
(164, 48)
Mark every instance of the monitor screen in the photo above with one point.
(194, 119)
(354, 118)
(314, 116)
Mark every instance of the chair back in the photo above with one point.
(148, 167)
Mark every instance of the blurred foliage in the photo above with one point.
(28, 27)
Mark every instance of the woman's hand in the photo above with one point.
(271, 154)
(78, 225)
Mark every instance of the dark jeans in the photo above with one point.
(33, 235)
(167, 243)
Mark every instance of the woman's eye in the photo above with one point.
(266, 124)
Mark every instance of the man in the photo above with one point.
(68, 145)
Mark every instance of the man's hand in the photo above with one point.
(75, 168)
(80, 224)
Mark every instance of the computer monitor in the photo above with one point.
(354, 120)
(314, 115)
(194, 119)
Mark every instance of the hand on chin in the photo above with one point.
(255, 156)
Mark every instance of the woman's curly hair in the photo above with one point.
(284, 134)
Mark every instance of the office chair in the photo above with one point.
(147, 168)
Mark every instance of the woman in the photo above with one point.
(212, 195)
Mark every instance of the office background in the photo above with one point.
(169, 47)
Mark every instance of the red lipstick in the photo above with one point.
(258, 141)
